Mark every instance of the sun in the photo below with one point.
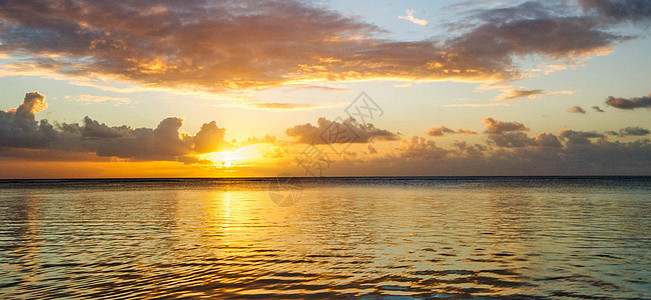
(230, 159)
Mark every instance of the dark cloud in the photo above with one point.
(349, 131)
(597, 108)
(630, 131)
(620, 10)
(221, 45)
(511, 140)
(532, 28)
(576, 109)
(420, 148)
(462, 148)
(578, 137)
(521, 139)
(499, 127)
(630, 103)
(547, 140)
(513, 135)
(442, 130)
(19, 129)
(425, 158)
(581, 153)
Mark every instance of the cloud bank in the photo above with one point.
(19, 129)
(223, 45)
(508, 148)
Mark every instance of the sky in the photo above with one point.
(98, 89)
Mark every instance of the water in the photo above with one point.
(369, 237)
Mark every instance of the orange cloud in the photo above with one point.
(254, 45)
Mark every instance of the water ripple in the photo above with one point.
(511, 238)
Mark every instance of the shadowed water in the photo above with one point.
(367, 237)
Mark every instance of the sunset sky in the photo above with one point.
(247, 88)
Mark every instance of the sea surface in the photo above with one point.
(375, 238)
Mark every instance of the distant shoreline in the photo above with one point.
(325, 178)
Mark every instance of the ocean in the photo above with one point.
(375, 238)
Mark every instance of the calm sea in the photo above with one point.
(553, 237)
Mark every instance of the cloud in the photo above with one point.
(499, 127)
(579, 137)
(410, 17)
(226, 45)
(576, 109)
(321, 87)
(508, 150)
(630, 131)
(420, 148)
(511, 140)
(98, 99)
(597, 108)
(349, 131)
(512, 135)
(512, 152)
(210, 139)
(19, 129)
(509, 95)
(477, 105)
(267, 139)
(418, 156)
(442, 130)
(534, 28)
(620, 10)
(630, 103)
(547, 140)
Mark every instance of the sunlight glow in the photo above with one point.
(231, 159)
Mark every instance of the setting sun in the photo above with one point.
(243, 156)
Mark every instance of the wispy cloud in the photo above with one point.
(410, 17)
(477, 105)
(442, 130)
(287, 106)
(320, 87)
(280, 106)
(98, 99)
(514, 94)
(509, 95)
